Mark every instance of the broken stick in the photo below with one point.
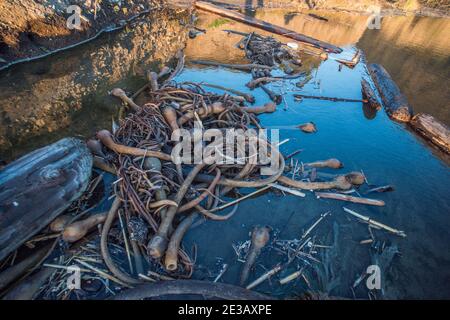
(304, 96)
(266, 26)
(375, 223)
(343, 197)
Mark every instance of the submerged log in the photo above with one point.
(432, 130)
(183, 287)
(27, 289)
(370, 95)
(19, 269)
(395, 103)
(36, 188)
(266, 26)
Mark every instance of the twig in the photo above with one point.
(102, 273)
(264, 277)
(343, 197)
(375, 223)
(288, 190)
(304, 96)
(229, 204)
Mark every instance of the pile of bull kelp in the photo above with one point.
(159, 191)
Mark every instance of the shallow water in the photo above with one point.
(385, 152)
(361, 139)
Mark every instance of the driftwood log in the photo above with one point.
(266, 26)
(183, 287)
(36, 188)
(26, 290)
(395, 103)
(432, 130)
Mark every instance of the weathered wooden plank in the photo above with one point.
(432, 130)
(266, 26)
(395, 103)
(38, 187)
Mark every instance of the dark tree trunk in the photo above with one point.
(38, 187)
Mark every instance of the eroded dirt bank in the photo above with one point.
(47, 95)
(31, 28)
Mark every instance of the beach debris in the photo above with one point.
(221, 272)
(248, 97)
(386, 188)
(244, 67)
(304, 96)
(329, 163)
(288, 190)
(184, 287)
(343, 197)
(260, 237)
(19, 269)
(291, 277)
(266, 26)
(353, 62)
(395, 103)
(374, 223)
(369, 94)
(432, 130)
(77, 230)
(60, 223)
(264, 277)
(341, 182)
(27, 289)
(119, 93)
(309, 127)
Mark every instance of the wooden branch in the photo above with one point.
(344, 197)
(36, 188)
(304, 96)
(266, 26)
(248, 97)
(245, 67)
(375, 223)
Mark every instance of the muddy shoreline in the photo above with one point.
(80, 78)
(29, 29)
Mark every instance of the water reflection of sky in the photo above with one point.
(385, 151)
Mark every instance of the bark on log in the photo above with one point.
(266, 26)
(432, 130)
(36, 188)
(395, 103)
